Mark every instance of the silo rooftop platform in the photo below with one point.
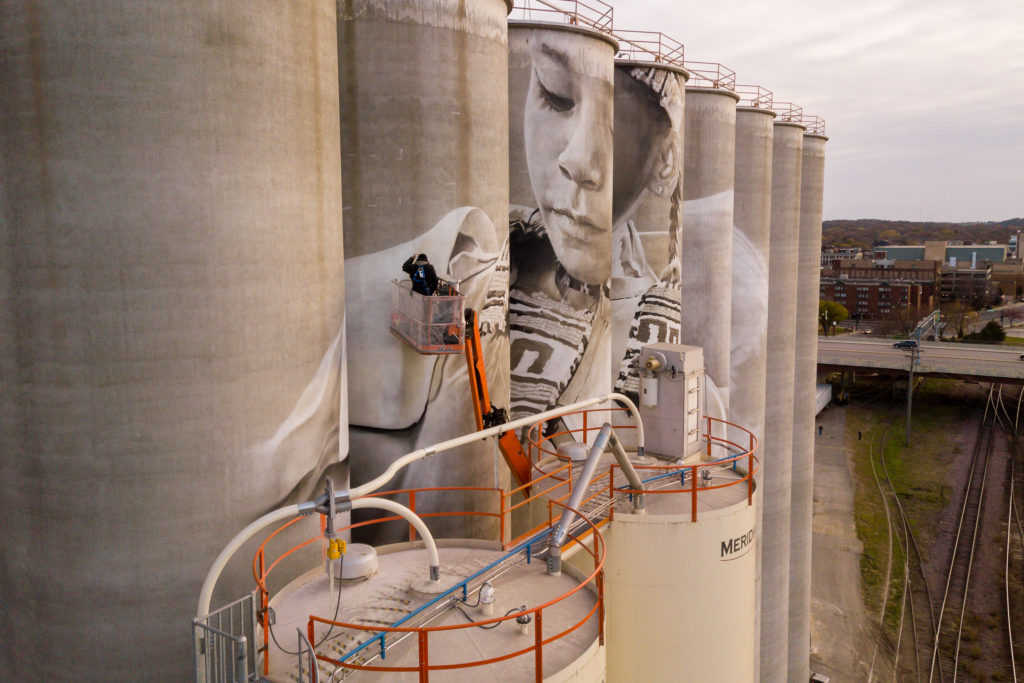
(392, 593)
(722, 473)
(403, 613)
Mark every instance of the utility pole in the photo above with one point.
(910, 385)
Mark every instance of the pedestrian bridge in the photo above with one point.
(981, 362)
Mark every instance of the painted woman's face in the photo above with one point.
(568, 133)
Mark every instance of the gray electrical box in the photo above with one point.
(672, 399)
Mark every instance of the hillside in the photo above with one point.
(867, 232)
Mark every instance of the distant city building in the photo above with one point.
(1008, 278)
(833, 253)
(874, 298)
(967, 282)
(952, 253)
(924, 274)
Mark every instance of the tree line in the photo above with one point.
(869, 232)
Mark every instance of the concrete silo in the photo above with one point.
(560, 99)
(809, 270)
(650, 90)
(172, 298)
(787, 150)
(752, 224)
(424, 141)
(751, 231)
(708, 223)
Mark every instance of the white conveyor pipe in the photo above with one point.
(206, 594)
(355, 496)
(412, 518)
(241, 537)
(393, 469)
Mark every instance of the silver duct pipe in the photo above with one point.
(579, 490)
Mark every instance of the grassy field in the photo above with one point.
(918, 473)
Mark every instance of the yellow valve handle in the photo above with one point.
(336, 548)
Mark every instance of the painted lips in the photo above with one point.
(575, 226)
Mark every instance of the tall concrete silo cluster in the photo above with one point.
(188, 338)
(172, 304)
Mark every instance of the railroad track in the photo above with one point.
(946, 647)
(1013, 585)
(916, 626)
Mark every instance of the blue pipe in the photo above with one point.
(527, 545)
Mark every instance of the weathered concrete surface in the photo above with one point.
(787, 146)
(708, 184)
(809, 269)
(171, 251)
(752, 206)
(424, 139)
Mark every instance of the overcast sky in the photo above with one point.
(923, 99)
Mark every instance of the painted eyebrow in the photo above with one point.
(554, 54)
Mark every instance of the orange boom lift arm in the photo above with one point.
(511, 449)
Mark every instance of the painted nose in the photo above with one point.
(583, 159)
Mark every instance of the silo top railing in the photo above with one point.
(754, 96)
(649, 46)
(711, 75)
(815, 124)
(590, 13)
(787, 112)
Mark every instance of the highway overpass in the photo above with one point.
(987, 363)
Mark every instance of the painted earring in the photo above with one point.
(660, 190)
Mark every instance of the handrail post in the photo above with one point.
(538, 649)
(693, 497)
(708, 418)
(412, 507)
(504, 528)
(264, 618)
(424, 662)
(585, 413)
(750, 477)
(600, 601)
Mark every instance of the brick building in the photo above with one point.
(874, 298)
(925, 274)
(1008, 278)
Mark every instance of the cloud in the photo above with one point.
(901, 84)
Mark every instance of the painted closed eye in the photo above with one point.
(555, 102)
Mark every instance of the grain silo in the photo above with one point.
(787, 149)
(560, 99)
(751, 231)
(752, 223)
(708, 222)
(424, 141)
(650, 91)
(172, 309)
(809, 270)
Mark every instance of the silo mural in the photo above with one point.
(708, 223)
(787, 146)
(647, 213)
(424, 156)
(809, 270)
(172, 295)
(560, 222)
